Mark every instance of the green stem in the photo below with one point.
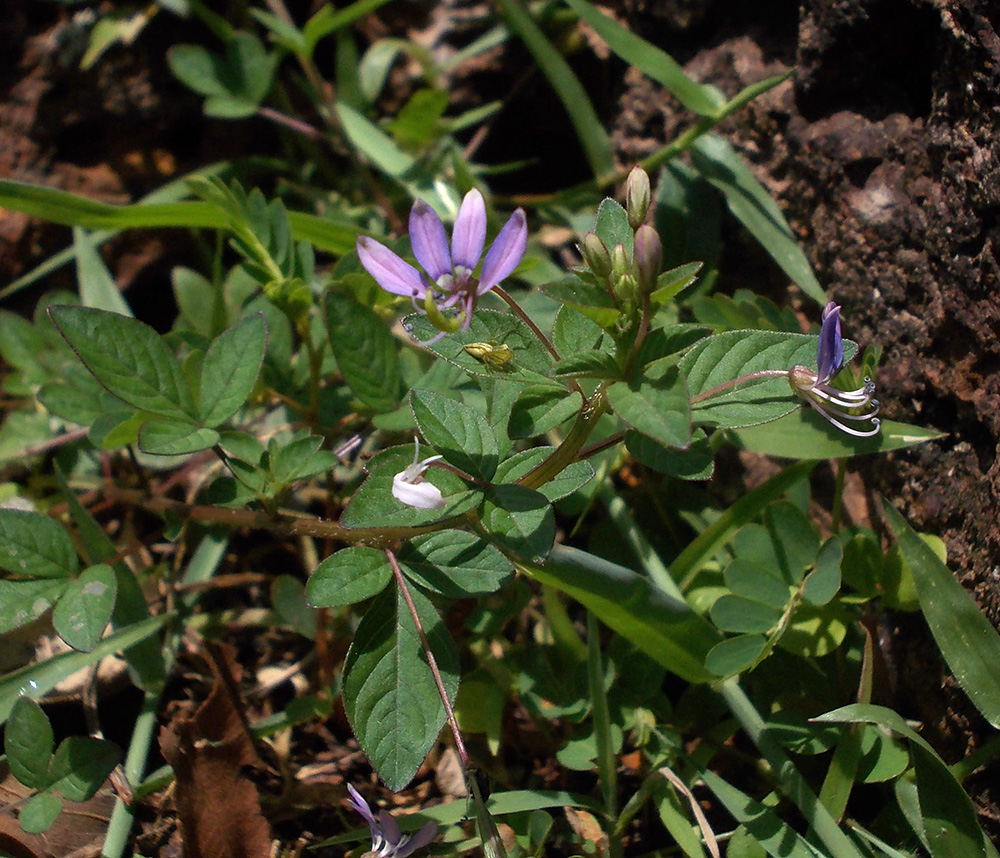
(840, 472)
(793, 784)
(565, 454)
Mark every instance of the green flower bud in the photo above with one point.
(648, 257)
(637, 196)
(596, 255)
(620, 263)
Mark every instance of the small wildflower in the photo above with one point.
(446, 291)
(409, 486)
(835, 405)
(387, 840)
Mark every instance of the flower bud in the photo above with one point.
(648, 256)
(620, 263)
(596, 255)
(637, 196)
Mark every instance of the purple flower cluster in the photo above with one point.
(447, 290)
(836, 406)
(387, 840)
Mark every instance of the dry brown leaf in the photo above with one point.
(217, 805)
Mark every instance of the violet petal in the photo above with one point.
(830, 356)
(506, 253)
(429, 240)
(469, 234)
(390, 271)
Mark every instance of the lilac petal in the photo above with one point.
(361, 806)
(390, 272)
(506, 253)
(830, 356)
(429, 240)
(390, 828)
(418, 841)
(469, 234)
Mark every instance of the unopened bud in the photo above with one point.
(620, 263)
(626, 288)
(648, 255)
(637, 196)
(596, 255)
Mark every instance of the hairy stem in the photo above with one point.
(726, 385)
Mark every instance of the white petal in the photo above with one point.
(418, 493)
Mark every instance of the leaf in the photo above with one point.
(289, 601)
(612, 226)
(129, 358)
(722, 358)
(373, 505)
(351, 575)
(22, 602)
(541, 407)
(793, 538)
(230, 368)
(80, 765)
(29, 741)
(664, 628)
(172, 438)
(97, 287)
(521, 519)
(735, 654)
(671, 283)
(573, 331)
(455, 563)
(588, 364)
(530, 361)
(655, 404)
(823, 583)
(753, 206)
(967, 640)
(588, 126)
(388, 690)
(761, 583)
(804, 434)
(589, 299)
(84, 610)
(739, 614)
(457, 432)
(567, 481)
(34, 546)
(650, 60)
(697, 462)
(365, 351)
(40, 812)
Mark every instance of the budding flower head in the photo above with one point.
(596, 255)
(836, 406)
(387, 840)
(446, 291)
(409, 486)
(648, 255)
(637, 197)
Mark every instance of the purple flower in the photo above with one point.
(447, 290)
(836, 406)
(387, 840)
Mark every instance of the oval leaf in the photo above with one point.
(85, 609)
(230, 369)
(349, 576)
(34, 546)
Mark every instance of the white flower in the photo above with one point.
(409, 486)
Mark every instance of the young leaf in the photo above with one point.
(28, 741)
(351, 575)
(365, 351)
(85, 609)
(457, 432)
(129, 358)
(34, 546)
(655, 404)
(389, 692)
(612, 226)
(40, 812)
(230, 368)
(80, 765)
(455, 563)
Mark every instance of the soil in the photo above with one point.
(882, 150)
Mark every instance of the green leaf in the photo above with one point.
(289, 601)
(97, 287)
(521, 519)
(739, 614)
(589, 299)
(612, 226)
(457, 432)
(588, 364)
(567, 481)
(761, 583)
(351, 575)
(804, 434)
(950, 826)
(823, 583)
(530, 361)
(655, 404)
(230, 368)
(697, 462)
(794, 539)
(129, 358)
(719, 359)
(589, 128)
(967, 640)
(573, 331)
(455, 563)
(365, 351)
(22, 602)
(171, 438)
(84, 610)
(28, 741)
(671, 283)
(34, 546)
(418, 123)
(373, 505)
(753, 206)
(735, 654)
(541, 407)
(39, 813)
(664, 628)
(650, 60)
(80, 765)
(389, 692)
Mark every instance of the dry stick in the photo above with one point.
(431, 661)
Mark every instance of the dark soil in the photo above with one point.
(883, 151)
